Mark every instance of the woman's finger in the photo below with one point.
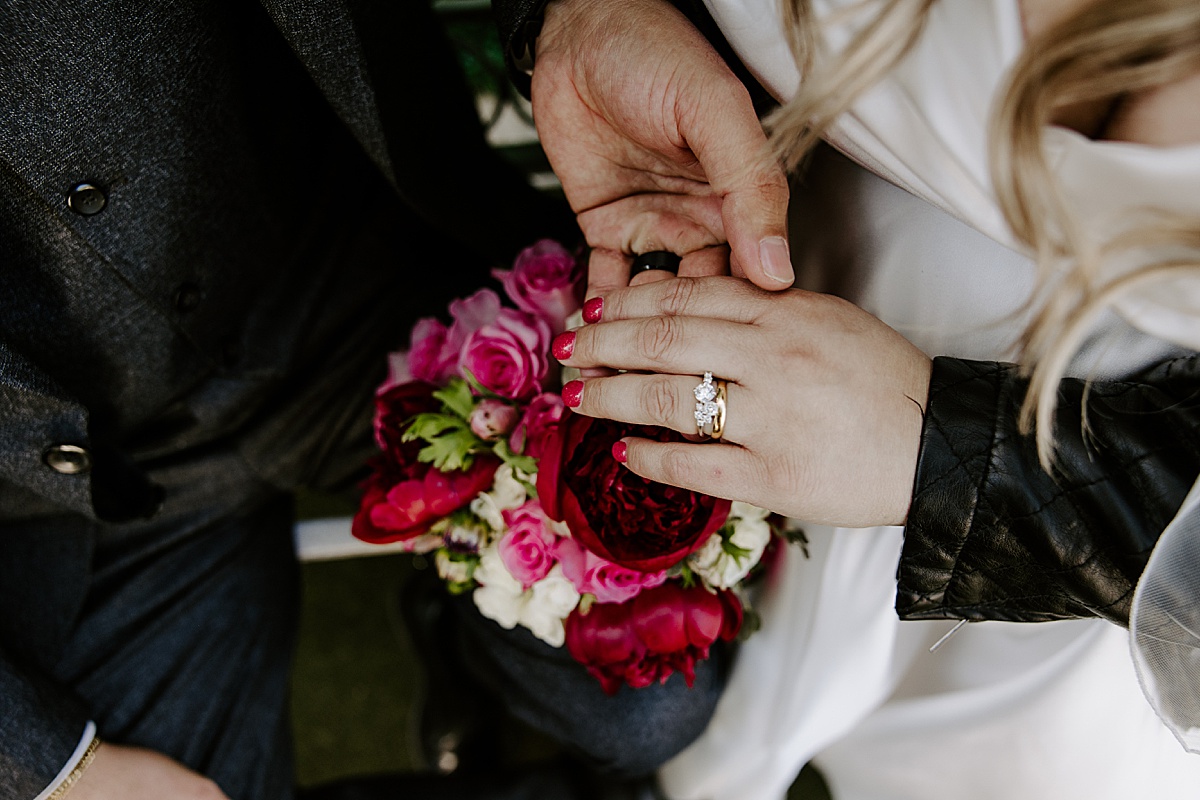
(665, 401)
(715, 297)
(717, 469)
(666, 344)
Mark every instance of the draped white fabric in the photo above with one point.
(1001, 710)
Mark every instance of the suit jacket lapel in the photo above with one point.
(322, 34)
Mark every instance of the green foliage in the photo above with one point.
(450, 444)
(526, 464)
(739, 554)
(456, 398)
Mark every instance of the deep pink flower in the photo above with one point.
(614, 512)
(546, 281)
(541, 414)
(406, 508)
(591, 574)
(663, 630)
(510, 356)
(404, 496)
(527, 548)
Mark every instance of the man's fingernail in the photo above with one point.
(564, 345)
(776, 260)
(620, 451)
(592, 308)
(572, 393)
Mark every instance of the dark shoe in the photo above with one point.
(558, 779)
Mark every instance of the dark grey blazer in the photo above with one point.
(171, 281)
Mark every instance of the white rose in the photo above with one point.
(507, 490)
(551, 600)
(740, 510)
(722, 570)
(507, 493)
(499, 596)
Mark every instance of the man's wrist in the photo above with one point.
(75, 766)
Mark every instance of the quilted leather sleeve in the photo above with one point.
(991, 535)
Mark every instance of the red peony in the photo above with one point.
(404, 496)
(662, 630)
(615, 513)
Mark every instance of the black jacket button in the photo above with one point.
(86, 199)
(69, 459)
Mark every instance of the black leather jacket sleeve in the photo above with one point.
(991, 535)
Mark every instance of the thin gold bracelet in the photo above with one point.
(70, 780)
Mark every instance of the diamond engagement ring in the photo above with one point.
(710, 407)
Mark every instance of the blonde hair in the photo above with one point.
(1106, 49)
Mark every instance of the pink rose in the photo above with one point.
(541, 414)
(609, 582)
(435, 349)
(511, 355)
(527, 549)
(491, 418)
(546, 281)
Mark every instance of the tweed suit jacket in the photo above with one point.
(146, 328)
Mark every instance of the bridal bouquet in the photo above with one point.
(522, 505)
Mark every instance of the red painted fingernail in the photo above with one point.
(620, 451)
(592, 309)
(572, 393)
(563, 345)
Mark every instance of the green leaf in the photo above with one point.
(751, 622)
(456, 397)
(526, 464)
(450, 444)
(429, 426)
(478, 387)
(738, 553)
(795, 536)
(450, 451)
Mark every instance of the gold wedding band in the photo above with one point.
(718, 423)
(710, 407)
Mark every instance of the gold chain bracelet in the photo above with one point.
(70, 780)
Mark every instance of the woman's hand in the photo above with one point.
(825, 402)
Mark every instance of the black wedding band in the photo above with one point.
(658, 259)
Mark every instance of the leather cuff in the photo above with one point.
(991, 535)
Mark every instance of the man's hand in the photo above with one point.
(657, 144)
(131, 773)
